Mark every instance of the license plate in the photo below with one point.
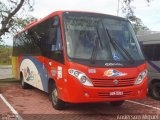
(116, 93)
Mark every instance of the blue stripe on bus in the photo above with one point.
(157, 68)
(42, 70)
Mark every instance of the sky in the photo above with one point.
(148, 13)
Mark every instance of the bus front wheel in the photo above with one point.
(117, 103)
(57, 103)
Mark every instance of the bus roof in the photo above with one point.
(59, 13)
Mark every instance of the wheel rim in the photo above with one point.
(157, 91)
(54, 96)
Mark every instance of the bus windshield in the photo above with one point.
(91, 36)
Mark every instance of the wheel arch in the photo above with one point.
(21, 75)
(51, 81)
(154, 81)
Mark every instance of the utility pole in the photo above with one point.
(118, 8)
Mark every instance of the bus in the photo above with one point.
(81, 57)
(151, 47)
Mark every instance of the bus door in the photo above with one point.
(55, 58)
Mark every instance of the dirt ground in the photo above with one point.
(34, 104)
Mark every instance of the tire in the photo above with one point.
(57, 103)
(117, 103)
(155, 90)
(23, 84)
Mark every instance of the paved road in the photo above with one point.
(33, 104)
(5, 71)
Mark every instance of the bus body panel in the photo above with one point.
(77, 91)
(37, 70)
(153, 71)
(70, 89)
(15, 71)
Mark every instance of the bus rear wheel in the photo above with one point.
(117, 103)
(155, 90)
(57, 103)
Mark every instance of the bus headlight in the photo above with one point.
(141, 77)
(80, 76)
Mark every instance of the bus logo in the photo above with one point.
(28, 74)
(116, 82)
(114, 73)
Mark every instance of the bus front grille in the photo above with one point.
(113, 82)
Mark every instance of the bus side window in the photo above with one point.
(52, 39)
(148, 51)
(156, 52)
(55, 35)
(55, 41)
(151, 51)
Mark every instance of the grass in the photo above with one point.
(5, 55)
(9, 80)
(5, 63)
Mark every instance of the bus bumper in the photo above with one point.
(82, 94)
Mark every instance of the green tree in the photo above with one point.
(137, 24)
(20, 23)
(127, 7)
(13, 15)
(5, 54)
(128, 11)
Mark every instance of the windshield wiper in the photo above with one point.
(115, 45)
(97, 43)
